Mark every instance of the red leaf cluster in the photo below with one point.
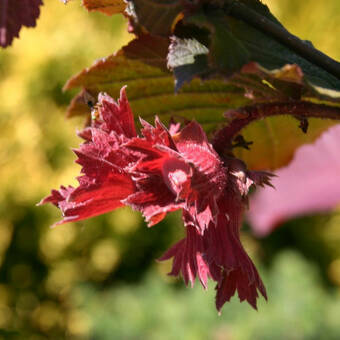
(161, 171)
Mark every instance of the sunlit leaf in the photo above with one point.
(275, 140)
(142, 66)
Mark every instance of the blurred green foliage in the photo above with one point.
(98, 279)
(298, 308)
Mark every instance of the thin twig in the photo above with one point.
(241, 117)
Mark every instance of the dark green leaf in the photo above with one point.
(234, 42)
(227, 53)
(157, 16)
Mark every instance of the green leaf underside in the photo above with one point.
(108, 7)
(151, 86)
(151, 92)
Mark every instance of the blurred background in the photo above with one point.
(99, 279)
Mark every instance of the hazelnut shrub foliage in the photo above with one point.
(226, 82)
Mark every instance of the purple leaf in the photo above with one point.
(309, 184)
(13, 15)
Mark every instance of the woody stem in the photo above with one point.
(241, 117)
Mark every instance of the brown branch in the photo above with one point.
(241, 117)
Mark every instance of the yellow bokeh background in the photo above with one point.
(40, 267)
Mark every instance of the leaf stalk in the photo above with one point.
(241, 117)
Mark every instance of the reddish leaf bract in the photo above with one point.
(161, 171)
